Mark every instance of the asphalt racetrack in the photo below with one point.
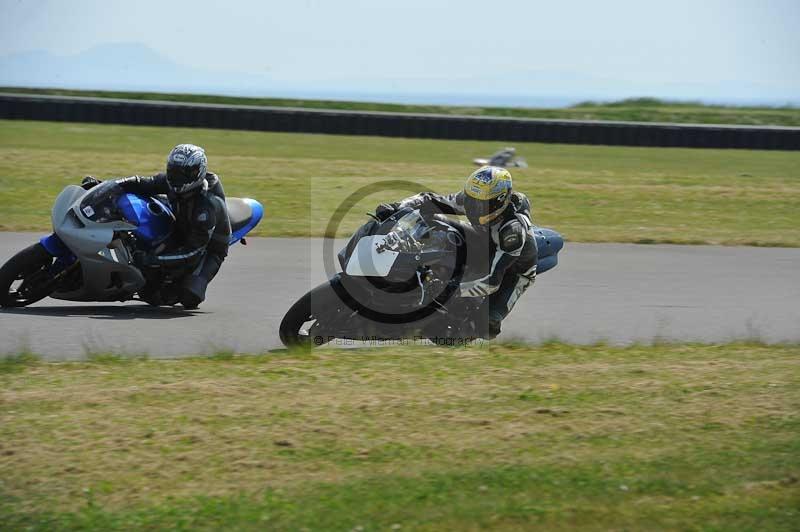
(619, 293)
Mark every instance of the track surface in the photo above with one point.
(619, 293)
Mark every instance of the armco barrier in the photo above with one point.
(153, 113)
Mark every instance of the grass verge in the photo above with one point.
(589, 193)
(631, 109)
(502, 437)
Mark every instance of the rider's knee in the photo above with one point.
(193, 292)
(494, 319)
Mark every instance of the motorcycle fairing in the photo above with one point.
(152, 217)
(242, 227)
(367, 261)
(400, 246)
(54, 245)
(107, 272)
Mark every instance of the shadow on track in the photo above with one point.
(105, 312)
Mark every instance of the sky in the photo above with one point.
(714, 50)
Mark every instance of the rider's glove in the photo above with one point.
(142, 259)
(385, 210)
(89, 182)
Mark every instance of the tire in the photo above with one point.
(326, 305)
(30, 266)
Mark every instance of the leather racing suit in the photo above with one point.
(512, 249)
(199, 243)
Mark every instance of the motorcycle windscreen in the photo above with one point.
(100, 204)
(367, 261)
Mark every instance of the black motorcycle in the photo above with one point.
(399, 279)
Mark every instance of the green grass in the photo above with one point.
(632, 109)
(17, 362)
(503, 437)
(589, 193)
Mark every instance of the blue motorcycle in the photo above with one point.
(89, 255)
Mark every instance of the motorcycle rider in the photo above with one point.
(503, 157)
(502, 218)
(202, 228)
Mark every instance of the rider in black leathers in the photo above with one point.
(503, 219)
(199, 243)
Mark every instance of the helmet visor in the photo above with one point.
(483, 212)
(179, 177)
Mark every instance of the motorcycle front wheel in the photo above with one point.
(26, 278)
(311, 321)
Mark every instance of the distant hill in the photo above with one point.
(136, 67)
(118, 66)
(129, 65)
(633, 109)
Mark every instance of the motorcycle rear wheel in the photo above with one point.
(30, 266)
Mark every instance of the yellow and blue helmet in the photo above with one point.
(487, 193)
